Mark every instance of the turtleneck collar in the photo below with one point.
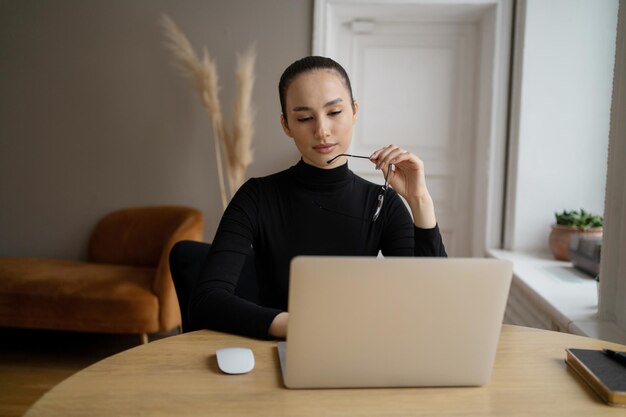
(315, 177)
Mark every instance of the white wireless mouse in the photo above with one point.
(235, 360)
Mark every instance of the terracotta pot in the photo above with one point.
(560, 237)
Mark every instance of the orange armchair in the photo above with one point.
(125, 285)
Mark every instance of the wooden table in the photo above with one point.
(178, 376)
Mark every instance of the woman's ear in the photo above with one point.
(283, 123)
(355, 111)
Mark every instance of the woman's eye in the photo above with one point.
(334, 113)
(304, 119)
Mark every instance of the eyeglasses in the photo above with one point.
(383, 189)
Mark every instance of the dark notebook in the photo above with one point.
(606, 376)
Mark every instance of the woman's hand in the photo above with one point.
(278, 328)
(405, 173)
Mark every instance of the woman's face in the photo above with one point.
(319, 116)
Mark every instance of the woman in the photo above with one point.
(317, 207)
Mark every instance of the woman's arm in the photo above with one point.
(213, 303)
(407, 177)
(401, 237)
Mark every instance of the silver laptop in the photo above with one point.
(393, 322)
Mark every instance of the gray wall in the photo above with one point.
(95, 117)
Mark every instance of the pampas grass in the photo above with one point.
(240, 154)
(236, 147)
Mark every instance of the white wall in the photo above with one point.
(94, 117)
(562, 96)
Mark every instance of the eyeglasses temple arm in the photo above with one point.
(330, 161)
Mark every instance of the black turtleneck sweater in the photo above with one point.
(303, 210)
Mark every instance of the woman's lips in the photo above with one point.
(325, 149)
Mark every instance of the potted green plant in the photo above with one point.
(569, 223)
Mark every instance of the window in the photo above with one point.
(563, 89)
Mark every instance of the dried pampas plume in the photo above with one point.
(235, 148)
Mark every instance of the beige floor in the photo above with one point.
(34, 361)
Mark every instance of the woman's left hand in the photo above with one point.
(405, 173)
(407, 176)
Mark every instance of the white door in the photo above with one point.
(416, 73)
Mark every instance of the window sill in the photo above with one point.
(553, 294)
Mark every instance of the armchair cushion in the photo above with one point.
(58, 294)
(125, 285)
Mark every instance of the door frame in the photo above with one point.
(494, 18)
